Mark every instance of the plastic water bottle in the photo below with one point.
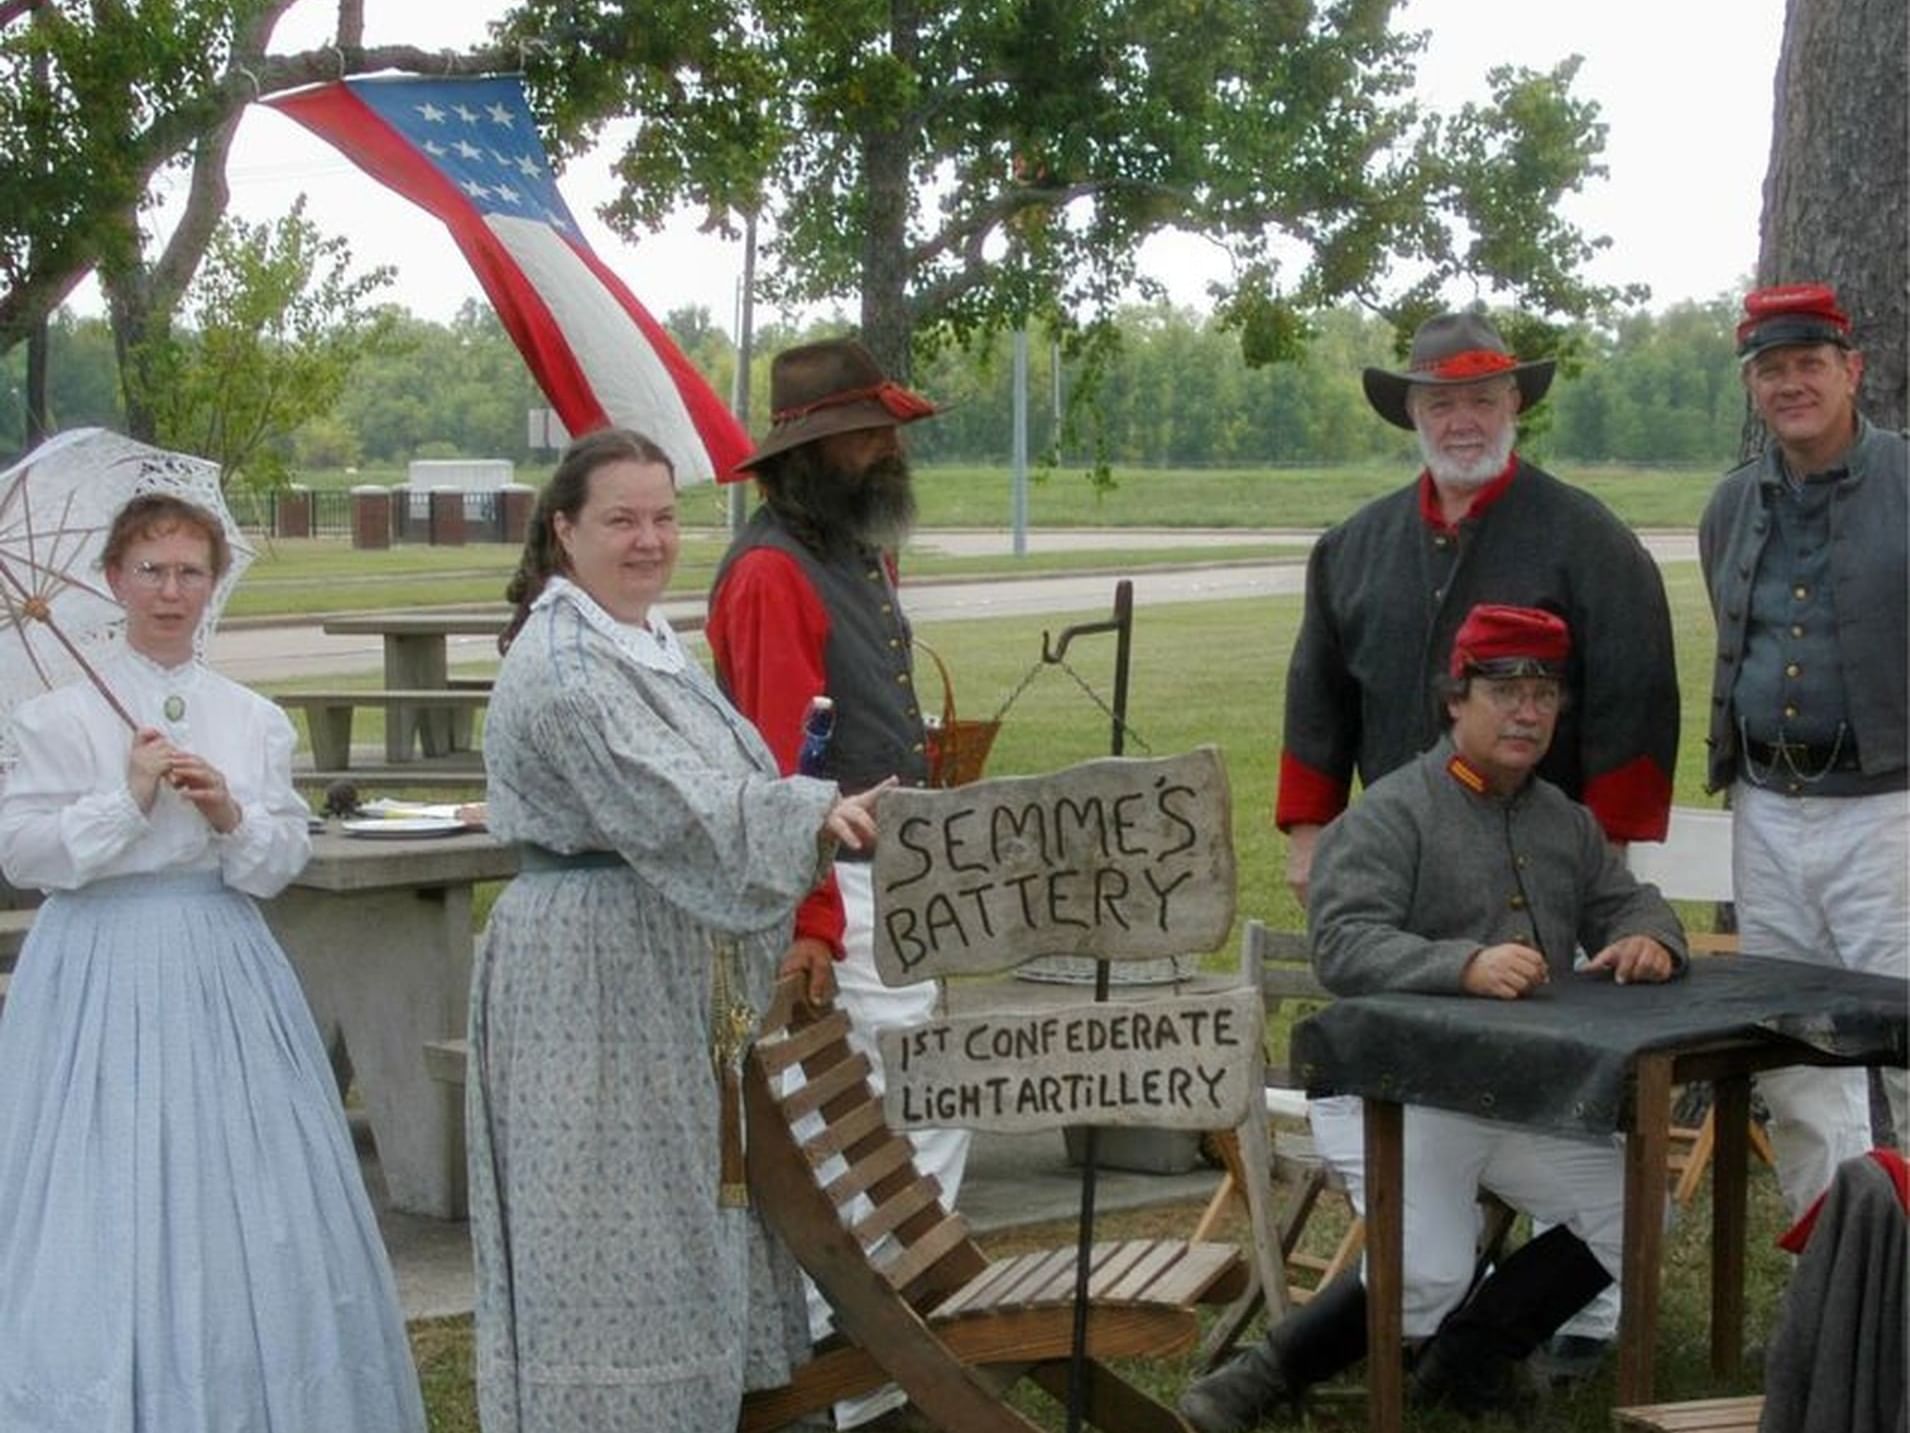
(818, 725)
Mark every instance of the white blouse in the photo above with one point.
(67, 817)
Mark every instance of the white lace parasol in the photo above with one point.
(57, 615)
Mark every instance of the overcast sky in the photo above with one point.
(1685, 86)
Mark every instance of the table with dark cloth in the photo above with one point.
(1584, 1055)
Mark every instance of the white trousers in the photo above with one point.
(873, 1007)
(1824, 879)
(1579, 1183)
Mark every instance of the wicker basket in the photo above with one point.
(957, 748)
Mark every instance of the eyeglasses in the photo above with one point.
(1508, 694)
(153, 576)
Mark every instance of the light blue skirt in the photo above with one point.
(185, 1242)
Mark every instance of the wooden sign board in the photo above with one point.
(1119, 859)
(1184, 1062)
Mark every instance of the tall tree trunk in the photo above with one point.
(1835, 196)
(886, 321)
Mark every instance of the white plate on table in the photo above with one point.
(400, 828)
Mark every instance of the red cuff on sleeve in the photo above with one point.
(1794, 1239)
(820, 915)
(1307, 797)
(1632, 803)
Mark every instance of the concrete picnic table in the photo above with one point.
(416, 645)
(379, 932)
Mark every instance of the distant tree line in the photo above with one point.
(1655, 388)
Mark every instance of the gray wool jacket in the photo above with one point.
(1423, 871)
(1869, 520)
(1835, 1361)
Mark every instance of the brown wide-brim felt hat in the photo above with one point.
(1449, 349)
(835, 386)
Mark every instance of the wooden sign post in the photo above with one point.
(1116, 859)
(1177, 1063)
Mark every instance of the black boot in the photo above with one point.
(1472, 1362)
(1318, 1339)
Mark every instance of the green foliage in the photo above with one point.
(82, 379)
(277, 322)
(89, 96)
(1659, 388)
(1175, 393)
(966, 169)
(445, 391)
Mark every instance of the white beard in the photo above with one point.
(1451, 473)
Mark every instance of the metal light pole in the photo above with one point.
(1019, 460)
(745, 352)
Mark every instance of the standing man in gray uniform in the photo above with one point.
(1804, 552)
(1464, 873)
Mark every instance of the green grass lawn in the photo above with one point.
(1211, 672)
(442, 1347)
(309, 577)
(979, 495)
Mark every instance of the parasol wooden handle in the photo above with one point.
(35, 606)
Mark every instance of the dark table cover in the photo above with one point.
(1560, 1057)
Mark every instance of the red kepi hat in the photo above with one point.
(1498, 641)
(1791, 313)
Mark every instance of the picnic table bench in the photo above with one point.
(328, 718)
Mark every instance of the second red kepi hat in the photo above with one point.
(1791, 313)
(1496, 641)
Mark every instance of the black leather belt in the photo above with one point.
(1806, 760)
(531, 857)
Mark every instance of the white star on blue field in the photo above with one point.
(480, 135)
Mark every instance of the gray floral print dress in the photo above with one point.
(612, 1291)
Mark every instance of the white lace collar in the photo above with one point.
(177, 675)
(654, 645)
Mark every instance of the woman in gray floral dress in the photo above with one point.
(663, 856)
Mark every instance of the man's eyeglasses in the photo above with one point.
(154, 575)
(1508, 694)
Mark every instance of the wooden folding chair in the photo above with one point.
(916, 1301)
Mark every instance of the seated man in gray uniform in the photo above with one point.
(1464, 873)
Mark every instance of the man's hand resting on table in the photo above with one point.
(1504, 972)
(1635, 959)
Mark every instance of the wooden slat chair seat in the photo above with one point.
(917, 1303)
(1706, 1415)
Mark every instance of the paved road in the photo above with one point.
(272, 654)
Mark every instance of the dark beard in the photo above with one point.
(828, 508)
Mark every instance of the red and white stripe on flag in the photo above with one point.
(467, 151)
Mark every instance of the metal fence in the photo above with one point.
(411, 515)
